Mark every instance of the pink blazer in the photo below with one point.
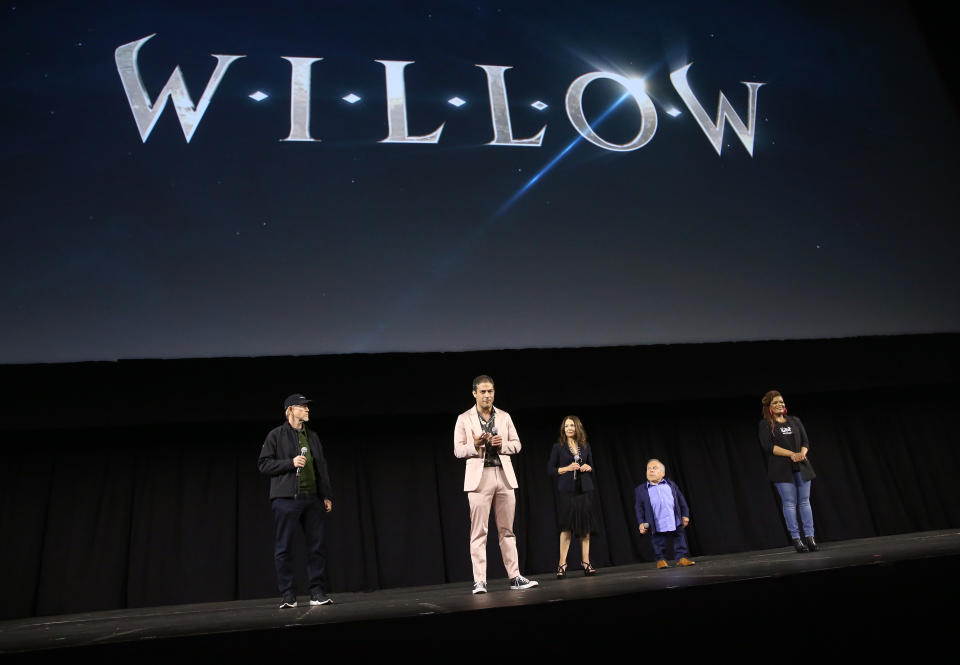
(468, 426)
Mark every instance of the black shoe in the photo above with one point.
(520, 582)
(812, 544)
(288, 600)
(320, 599)
(800, 545)
(588, 570)
(561, 571)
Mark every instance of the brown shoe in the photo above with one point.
(684, 561)
(662, 563)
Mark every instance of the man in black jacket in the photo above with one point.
(300, 496)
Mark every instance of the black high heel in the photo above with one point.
(800, 545)
(561, 571)
(588, 570)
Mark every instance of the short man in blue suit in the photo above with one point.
(663, 511)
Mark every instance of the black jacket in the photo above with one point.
(276, 460)
(561, 456)
(780, 469)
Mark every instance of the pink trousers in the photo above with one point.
(496, 491)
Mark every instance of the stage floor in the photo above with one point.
(854, 577)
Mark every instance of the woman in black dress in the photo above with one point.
(784, 439)
(571, 463)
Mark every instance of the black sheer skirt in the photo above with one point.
(575, 513)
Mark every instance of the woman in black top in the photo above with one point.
(571, 463)
(784, 439)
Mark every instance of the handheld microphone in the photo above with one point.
(303, 452)
(578, 460)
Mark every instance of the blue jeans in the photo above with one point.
(795, 498)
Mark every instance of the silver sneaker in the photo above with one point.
(480, 587)
(520, 582)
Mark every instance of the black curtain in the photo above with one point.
(114, 506)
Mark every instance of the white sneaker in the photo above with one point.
(520, 582)
(480, 587)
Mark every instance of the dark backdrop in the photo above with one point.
(135, 483)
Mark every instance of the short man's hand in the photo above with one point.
(643, 527)
(328, 504)
(300, 461)
(686, 521)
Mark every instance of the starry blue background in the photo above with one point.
(238, 244)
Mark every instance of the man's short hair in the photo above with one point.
(483, 378)
(654, 459)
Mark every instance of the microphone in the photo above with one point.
(303, 452)
(578, 460)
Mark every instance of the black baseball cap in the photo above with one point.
(295, 400)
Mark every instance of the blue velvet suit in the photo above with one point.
(646, 515)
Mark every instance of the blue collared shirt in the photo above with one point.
(661, 499)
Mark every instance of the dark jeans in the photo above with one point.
(308, 514)
(679, 539)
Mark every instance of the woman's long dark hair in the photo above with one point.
(580, 436)
(765, 407)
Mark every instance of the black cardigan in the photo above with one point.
(780, 469)
(561, 456)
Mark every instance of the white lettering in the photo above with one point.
(634, 88)
(300, 98)
(397, 106)
(500, 110)
(145, 112)
(714, 132)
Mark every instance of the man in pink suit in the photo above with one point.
(486, 438)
